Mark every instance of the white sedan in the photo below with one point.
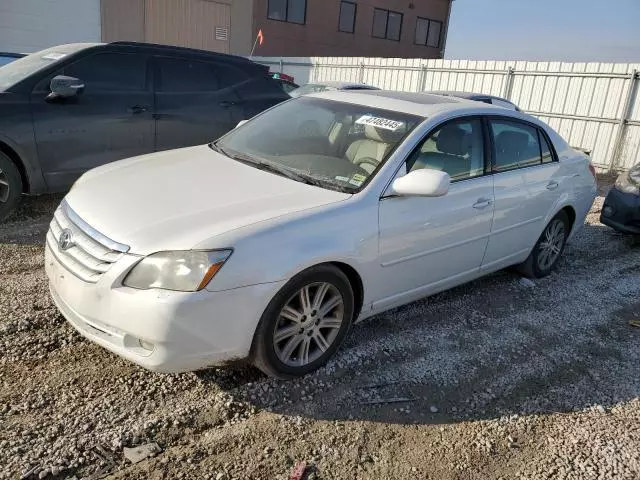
(268, 244)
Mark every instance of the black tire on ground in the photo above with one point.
(10, 186)
(531, 266)
(263, 351)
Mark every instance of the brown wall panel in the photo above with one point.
(122, 20)
(187, 23)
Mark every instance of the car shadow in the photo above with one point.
(495, 347)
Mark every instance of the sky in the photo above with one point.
(558, 30)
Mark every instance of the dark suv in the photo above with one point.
(70, 108)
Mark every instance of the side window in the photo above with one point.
(186, 76)
(516, 145)
(229, 76)
(103, 72)
(456, 148)
(547, 155)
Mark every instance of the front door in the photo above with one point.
(429, 244)
(110, 120)
(196, 102)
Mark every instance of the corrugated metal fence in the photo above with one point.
(595, 106)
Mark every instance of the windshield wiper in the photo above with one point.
(275, 168)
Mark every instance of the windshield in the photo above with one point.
(331, 144)
(21, 68)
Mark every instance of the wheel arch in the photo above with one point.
(356, 285)
(19, 164)
(571, 214)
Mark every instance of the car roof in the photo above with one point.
(346, 85)
(184, 51)
(422, 104)
(468, 95)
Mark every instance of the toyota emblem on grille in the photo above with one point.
(65, 242)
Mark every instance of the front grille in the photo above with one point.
(89, 254)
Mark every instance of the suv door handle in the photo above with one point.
(136, 109)
(226, 104)
(552, 185)
(482, 203)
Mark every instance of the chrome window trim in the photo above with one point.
(92, 232)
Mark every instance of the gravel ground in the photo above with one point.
(499, 378)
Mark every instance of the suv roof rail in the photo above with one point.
(175, 48)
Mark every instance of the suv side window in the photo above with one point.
(104, 72)
(516, 145)
(456, 147)
(186, 76)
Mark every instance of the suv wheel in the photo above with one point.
(10, 186)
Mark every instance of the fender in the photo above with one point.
(28, 156)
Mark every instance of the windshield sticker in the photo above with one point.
(380, 122)
(342, 179)
(54, 56)
(357, 180)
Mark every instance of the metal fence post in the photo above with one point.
(624, 118)
(423, 78)
(281, 65)
(361, 80)
(508, 83)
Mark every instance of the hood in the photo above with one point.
(176, 199)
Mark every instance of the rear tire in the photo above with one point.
(304, 324)
(548, 249)
(10, 186)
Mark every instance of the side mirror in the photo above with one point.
(423, 183)
(241, 122)
(65, 87)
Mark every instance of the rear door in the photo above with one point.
(527, 186)
(109, 121)
(195, 101)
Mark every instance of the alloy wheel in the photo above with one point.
(308, 324)
(551, 245)
(4, 187)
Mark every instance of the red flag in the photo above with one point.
(260, 37)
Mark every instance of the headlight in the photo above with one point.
(629, 182)
(185, 271)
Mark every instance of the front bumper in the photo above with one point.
(621, 211)
(161, 330)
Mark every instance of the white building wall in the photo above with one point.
(30, 25)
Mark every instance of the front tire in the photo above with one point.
(10, 186)
(305, 323)
(548, 249)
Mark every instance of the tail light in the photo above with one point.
(592, 169)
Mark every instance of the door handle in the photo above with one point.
(552, 185)
(136, 109)
(226, 104)
(482, 203)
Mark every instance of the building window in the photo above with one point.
(347, 21)
(428, 32)
(386, 24)
(293, 11)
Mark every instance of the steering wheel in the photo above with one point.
(367, 161)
